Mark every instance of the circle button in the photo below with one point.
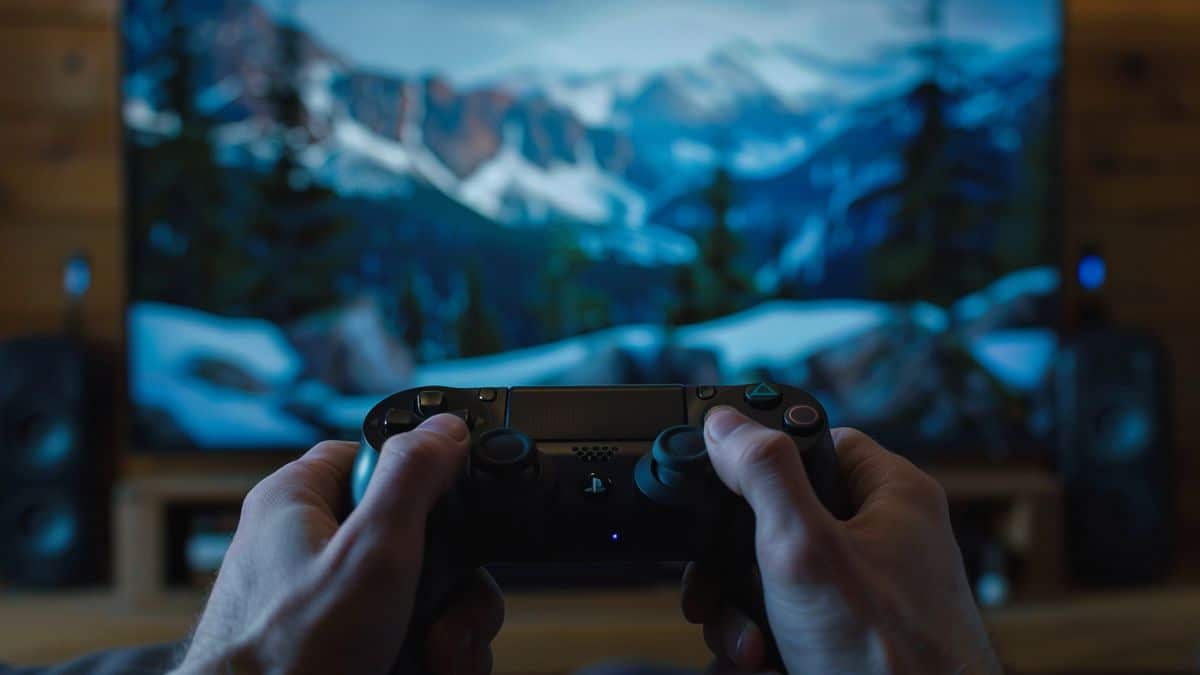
(802, 419)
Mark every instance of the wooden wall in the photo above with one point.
(1132, 172)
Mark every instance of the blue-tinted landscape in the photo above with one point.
(331, 202)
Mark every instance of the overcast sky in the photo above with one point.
(472, 40)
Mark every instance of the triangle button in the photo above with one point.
(763, 395)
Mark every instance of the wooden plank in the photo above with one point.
(1091, 21)
(1131, 58)
(52, 186)
(59, 11)
(33, 135)
(1143, 631)
(107, 328)
(1131, 198)
(31, 265)
(1150, 630)
(67, 68)
(1133, 82)
(1102, 147)
(60, 165)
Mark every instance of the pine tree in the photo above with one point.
(296, 225)
(412, 314)
(184, 241)
(714, 285)
(570, 306)
(478, 333)
(928, 256)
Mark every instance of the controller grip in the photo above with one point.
(825, 475)
(442, 572)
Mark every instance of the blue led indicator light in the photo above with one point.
(1092, 272)
(614, 536)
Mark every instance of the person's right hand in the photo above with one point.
(884, 592)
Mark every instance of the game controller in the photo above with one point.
(593, 474)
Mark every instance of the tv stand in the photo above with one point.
(1027, 501)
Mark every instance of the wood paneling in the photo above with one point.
(103, 12)
(58, 68)
(1133, 187)
(1113, 146)
(32, 256)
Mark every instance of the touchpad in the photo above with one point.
(595, 413)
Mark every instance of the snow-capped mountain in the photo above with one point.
(804, 136)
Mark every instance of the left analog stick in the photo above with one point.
(504, 452)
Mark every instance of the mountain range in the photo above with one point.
(623, 153)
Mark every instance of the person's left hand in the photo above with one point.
(299, 593)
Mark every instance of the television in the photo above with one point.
(329, 202)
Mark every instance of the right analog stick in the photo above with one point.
(677, 470)
(680, 455)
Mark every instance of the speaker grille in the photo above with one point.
(595, 453)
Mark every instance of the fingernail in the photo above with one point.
(721, 421)
(447, 425)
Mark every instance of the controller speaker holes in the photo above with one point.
(595, 453)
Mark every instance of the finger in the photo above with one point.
(368, 573)
(470, 622)
(414, 470)
(320, 476)
(873, 472)
(701, 597)
(734, 638)
(764, 466)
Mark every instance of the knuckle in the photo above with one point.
(261, 498)
(928, 494)
(326, 448)
(804, 556)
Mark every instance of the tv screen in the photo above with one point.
(332, 201)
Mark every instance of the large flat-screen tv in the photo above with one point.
(331, 201)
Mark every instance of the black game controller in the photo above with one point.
(593, 474)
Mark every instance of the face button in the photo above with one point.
(596, 486)
(487, 395)
(705, 392)
(763, 396)
(431, 402)
(802, 419)
(398, 421)
(504, 452)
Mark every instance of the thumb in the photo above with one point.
(764, 466)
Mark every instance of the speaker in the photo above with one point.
(1114, 456)
(53, 475)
